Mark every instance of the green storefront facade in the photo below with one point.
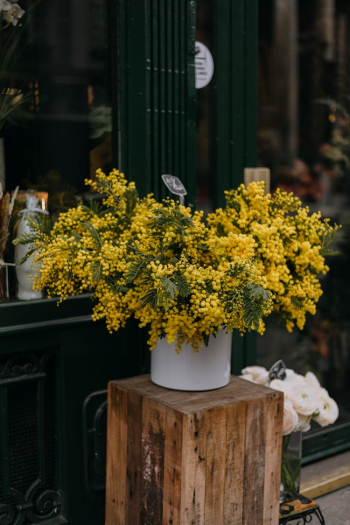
(55, 362)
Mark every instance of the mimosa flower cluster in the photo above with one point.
(156, 262)
(304, 398)
(290, 245)
(184, 279)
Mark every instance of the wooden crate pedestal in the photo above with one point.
(193, 458)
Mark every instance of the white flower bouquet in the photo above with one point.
(304, 400)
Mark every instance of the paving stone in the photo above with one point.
(336, 507)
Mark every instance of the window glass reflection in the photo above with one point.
(56, 60)
(304, 138)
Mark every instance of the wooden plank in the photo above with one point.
(273, 453)
(236, 391)
(254, 463)
(153, 446)
(234, 468)
(215, 466)
(133, 487)
(172, 467)
(188, 466)
(193, 469)
(116, 456)
(316, 487)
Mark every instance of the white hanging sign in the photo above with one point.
(204, 65)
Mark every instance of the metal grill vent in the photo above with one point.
(28, 477)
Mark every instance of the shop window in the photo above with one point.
(55, 69)
(304, 138)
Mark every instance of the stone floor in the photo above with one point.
(336, 507)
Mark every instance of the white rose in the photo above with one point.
(290, 418)
(303, 398)
(328, 410)
(293, 377)
(303, 423)
(312, 380)
(278, 384)
(259, 373)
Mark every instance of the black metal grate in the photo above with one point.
(22, 435)
(30, 413)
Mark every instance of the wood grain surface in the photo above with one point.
(193, 458)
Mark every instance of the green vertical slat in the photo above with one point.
(176, 76)
(5, 452)
(182, 149)
(148, 92)
(139, 153)
(157, 92)
(237, 92)
(191, 100)
(251, 82)
(40, 400)
(170, 85)
(163, 87)
(222, 101)
(251, 123)
(155, 99)
(122, 87)
(236, 126)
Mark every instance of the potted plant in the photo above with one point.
(191, 283)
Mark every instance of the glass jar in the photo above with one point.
(291, 466)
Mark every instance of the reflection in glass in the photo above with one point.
(62, 132)
(304, 138)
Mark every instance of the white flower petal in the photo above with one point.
(290, 418)
(259, 374)
(248, 377)
(312, 380)
(303, 398)
(278, 384)
(328, 411)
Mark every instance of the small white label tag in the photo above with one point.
(204, 64)
(174, 185)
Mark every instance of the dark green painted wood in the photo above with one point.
(327, 442)
(24, 313)
(86, 358)
(236, 77)
(156, 85)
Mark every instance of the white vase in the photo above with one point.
(208, 369)
(24, 272)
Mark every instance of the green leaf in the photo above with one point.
(26, 256)
(182, 285)
(90, 228)
(328, 252)
(150, 297)
(255, 300)
(220, 230)
(169, 287)
(232, 203)
(97, 271)
(298, 302)
(136, 269)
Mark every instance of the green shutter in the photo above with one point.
(157, 95)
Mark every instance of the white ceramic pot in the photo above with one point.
(208, 369)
